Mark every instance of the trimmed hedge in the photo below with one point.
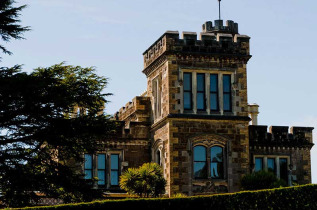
(299, 197)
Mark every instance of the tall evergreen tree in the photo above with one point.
(43, 137)
(9, 23)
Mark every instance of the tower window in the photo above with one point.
(157, 97)
(188, 91)
(214, 105)
(201, 105)
(216, 162)
(227, 106)
(200, 162)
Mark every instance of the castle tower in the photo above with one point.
(198, 92)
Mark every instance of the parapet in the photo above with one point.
(136, 110)
(230, 27)
(218, 40)
(280, 136)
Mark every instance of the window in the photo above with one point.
(214, 105)
(278, 165)
(200, 162)
(201, 105)
(114, 174)
(157, 97)
(101, 169)
(258, 164)
(283, 169)
(158, 157)
(209, 93)
(88, 166)
(216, 162)
(271, 165)
(188, 91)
(227, 107)
(97, 165)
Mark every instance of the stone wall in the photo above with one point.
(232, 134)
(295, 145)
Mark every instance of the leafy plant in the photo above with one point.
(261, 180)
(144, 181)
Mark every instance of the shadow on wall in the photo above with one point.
(312, 122)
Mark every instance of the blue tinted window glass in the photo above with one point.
(226, 83)
(216, 170)
(114, 178)
(88, 161)
(187, 100)
(226, 102)
(200, 82)
(271, 164)
(199, 153)
(187, 81)
(213, 82)
(216, 154)
(213, 101)
(200, 170)
(101, 177)
(258, 164)
(101, 161)
(88, 174)
(115, 162)
(200, 101)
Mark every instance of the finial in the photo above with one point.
(219, 9)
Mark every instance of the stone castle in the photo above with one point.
(195, 120)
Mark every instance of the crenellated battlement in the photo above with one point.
(280, 136)
(218, 40)
(230, 27)
(136, 110)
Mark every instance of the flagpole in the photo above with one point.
(219, 10)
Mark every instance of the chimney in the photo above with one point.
(253, 113)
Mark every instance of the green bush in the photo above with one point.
(144, 181)
(261, 180)
(299, 197)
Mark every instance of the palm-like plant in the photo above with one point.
(144, 181)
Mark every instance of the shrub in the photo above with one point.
(261, 180)
(144, 181)
(300, 197)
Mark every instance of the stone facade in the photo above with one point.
(177, 114)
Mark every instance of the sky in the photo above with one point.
(111, 35)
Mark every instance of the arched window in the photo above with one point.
(216, 162)
(158, 157)
(200, 162)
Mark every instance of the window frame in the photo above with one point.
(190, 91)
(222, 162)
(104, 170)
(209, 161)
(211, 92)
(206, 161)
(116, 170)
(277, 165)
(229, 93)
(201, 91)
(89, 169)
